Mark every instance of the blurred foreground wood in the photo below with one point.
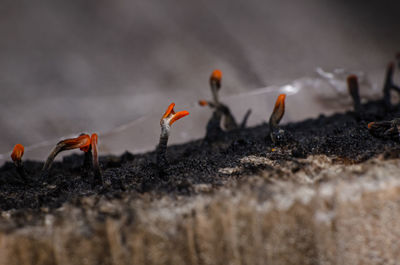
(353, 218)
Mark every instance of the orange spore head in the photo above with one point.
(178, 116)
(216, 78)
(17, 153)
(203, 103)
(169, 111)
(216, 75)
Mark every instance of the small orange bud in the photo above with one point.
(215, 79)
(216, 75)
(279, 110)
(203, 103)
(17, 153)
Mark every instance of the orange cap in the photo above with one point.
(215, 78)
(216, 75)
(17, 152)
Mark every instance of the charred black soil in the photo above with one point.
(344, 137)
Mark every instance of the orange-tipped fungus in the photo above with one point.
(169, 117)
(16, 157)
(352, 85)
(215, 83)
(276, 116)
(278, 112)
(82, 142)
(215, 78)
(17, 154)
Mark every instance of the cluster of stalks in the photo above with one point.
(386, 129)
(84, 142)
(221, 120)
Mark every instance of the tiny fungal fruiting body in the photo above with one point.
(17, 154)
(87, 144)
(215, 84)
(222, 117)
(169, 117)
(275, 118)
(16, 157)
(352, 85)
(82, 142)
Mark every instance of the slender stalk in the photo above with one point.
(96, 166)
(166, 121)
(215, 83)
(82, 142)
(352, 85)
(162, 146)
(388, 85)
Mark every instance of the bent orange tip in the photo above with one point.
(17, 152)
(82, 142)
(203, 103)
(216, 75)
(178, 116)
(169, 110)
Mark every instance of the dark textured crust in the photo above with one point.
(345, 137)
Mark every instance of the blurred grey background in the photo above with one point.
(90, 65)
